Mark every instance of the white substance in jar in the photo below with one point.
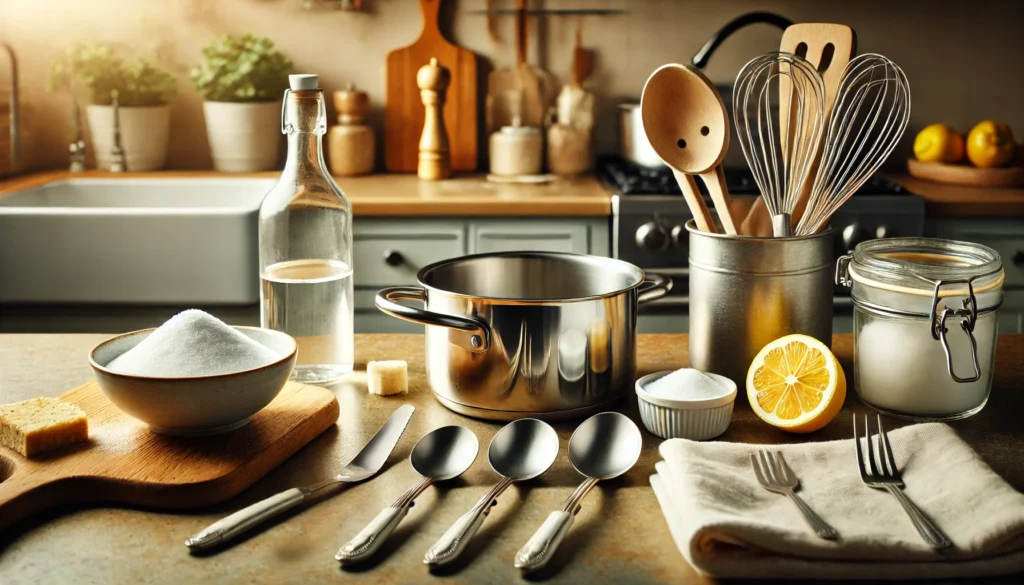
(901, 368)
(516, 150)
(686, 384)
(193, 343)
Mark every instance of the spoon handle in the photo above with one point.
(538, 550)
(454, 540)
(369, 540)
(541, 547)
(714, 180)
(701, 215)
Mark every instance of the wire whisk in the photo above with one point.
(778, 109)
(870, 114)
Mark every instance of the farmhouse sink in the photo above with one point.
(132, 241)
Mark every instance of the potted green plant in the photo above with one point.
(144, 91)
(242, 80)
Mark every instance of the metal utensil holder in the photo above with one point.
(746, 292)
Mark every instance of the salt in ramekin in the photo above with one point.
(697, 420)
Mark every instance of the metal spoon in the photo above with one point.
(606, 445)
(444, 453)
(521, 450)
(688, 126)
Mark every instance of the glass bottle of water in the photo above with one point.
(305, 236)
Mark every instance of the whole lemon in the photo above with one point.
(939, 143)
(990, 144)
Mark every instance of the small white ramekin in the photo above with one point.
(697, 420)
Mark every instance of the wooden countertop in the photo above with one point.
(944, 200)
(619, 537)
(394, 195)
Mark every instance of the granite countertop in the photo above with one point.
(619, 537)
(393, 195)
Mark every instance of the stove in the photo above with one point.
(648, 214)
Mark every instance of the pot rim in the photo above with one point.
(424, 272)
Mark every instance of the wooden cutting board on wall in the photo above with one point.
(404, 113)
(125, 463)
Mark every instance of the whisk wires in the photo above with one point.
(869, 117)
(778, 109)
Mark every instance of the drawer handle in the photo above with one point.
(393, 258)
(1018, 258)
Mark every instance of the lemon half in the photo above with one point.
(796, 384)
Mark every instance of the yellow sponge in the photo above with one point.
(38, 425)
(389, 377)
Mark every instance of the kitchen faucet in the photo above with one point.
(117, 152)
(76, 149)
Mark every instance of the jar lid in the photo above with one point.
(520, 130)
(916, 265)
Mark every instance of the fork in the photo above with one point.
(775, 475)
(887, 476)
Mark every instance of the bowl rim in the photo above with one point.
(288, 357)
(704, 403)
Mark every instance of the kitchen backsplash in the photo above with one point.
(963, 60)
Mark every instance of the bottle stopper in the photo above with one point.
(304, 81)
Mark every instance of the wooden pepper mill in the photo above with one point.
(350, 144)
(434, 161)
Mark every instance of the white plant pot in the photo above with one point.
(144, 135)
(244, 137)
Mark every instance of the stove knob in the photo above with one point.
(679, 237)
(853, 235)
(651, 237)
(884, 231)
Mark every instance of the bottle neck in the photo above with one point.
(305, 121)
(305, 151)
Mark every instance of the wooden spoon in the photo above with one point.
(687, 124)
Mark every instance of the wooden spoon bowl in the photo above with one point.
(685, 119)
(687, 125)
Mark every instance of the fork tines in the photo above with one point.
(886, 469)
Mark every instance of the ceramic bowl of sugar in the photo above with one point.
(686, 404)
(194, 375)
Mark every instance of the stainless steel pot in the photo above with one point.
(633, 143)
(519, 334)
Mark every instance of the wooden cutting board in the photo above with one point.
(404, 113)
(126, 463)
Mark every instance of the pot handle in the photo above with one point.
(477, 336)
(653, 287)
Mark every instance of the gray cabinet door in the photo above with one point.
(411, 245)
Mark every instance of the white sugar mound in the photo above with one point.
(687, 384)
(193, 343)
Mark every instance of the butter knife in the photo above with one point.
(365, 465)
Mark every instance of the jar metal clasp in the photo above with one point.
(843, 271)
(968, 315)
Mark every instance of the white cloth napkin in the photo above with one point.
(727, 525)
